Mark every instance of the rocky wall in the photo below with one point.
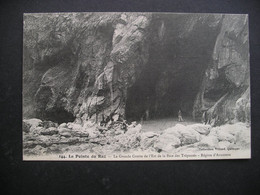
(89, 65)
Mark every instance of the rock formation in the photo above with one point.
(94, 65)
(39, 139)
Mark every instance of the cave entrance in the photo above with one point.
(162, 91)
(172, 77)
(59, 116)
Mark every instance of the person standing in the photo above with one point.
(180, 119)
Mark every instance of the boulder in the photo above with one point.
(134, 130)
(65, 132)
(48, 124)
(74, 126)
(148, 139)
(37, 150)
(26, 127)
(63, 125)
(37, 130)
(167, 142)
(49, 131)
(71, 140)
(92, 132)
(243, 139)
(208, 141)
(30, 124)
(225, 136)
(80, 133)
(186, 134)
(189, 136)
(53, 149)
(201, 128)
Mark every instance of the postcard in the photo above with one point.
(122, 86)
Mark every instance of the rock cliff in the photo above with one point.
(94, 65)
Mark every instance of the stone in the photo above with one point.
(70, 140)
(134, 130)
(30, 124)
(225, 136)
(48, 124)
(36, 130)
(80, 133)
(38, 150)
(26, 127)
(186, 134)
(148, 139)
(167, 143)
(116, 117)
(65, 132)
(243, 139)
(201, 128)
(74, 126)
(208, 141)
(62, 125)
(49, 131)
(115, 51)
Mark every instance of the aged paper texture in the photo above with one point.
(136, 86)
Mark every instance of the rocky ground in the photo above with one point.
(46, 138)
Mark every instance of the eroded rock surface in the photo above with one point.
(84, 69)
(109, 140)
(94, 65)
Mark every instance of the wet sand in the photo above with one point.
(158, 125)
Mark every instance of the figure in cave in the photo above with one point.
(180, 119)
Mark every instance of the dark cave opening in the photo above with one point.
(56, 114)
(59, 116)
(173, 74)
(164, 92)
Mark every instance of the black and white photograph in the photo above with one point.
(120, 86)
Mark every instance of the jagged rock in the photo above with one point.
(31, 124)
(134, 129)
(202, 129)
(37, 150)
(167, 143)
(238, 134)
(63, 125)
(243, 138)
(224, 136)
(186, 134)
(53, 149)
(74, 126)
(95, 73)
(86, 67)
(129, 140)
(228, 77)
(26, 127)
(70, 140)
(49, 131)
(37, 130)
(48, 124)
(80, 133)
(148, 139)
(65, 132)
